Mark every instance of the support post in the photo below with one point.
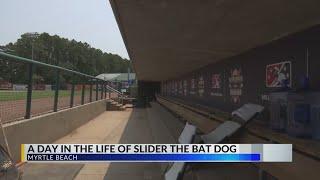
(82, 93)
(72, 95)
(97, 90)
(56, 93)
(102, 90)
(90, 91)
(105, 90)
(29, 92)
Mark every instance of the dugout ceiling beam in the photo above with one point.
(168, 38)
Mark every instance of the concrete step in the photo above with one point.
(128, 100)
(114, 106)
(128, 105)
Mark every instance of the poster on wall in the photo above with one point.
(163, 88)
(166, 88)
(235, 84)
(175, 88)
(278, 74)
(172, 88)
(216, 87)
(192, 86)
(201, 86)
(180, 88)
(185, 87)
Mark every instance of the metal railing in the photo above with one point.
(100, 84)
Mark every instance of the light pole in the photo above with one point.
(30, 82)
(32, 35)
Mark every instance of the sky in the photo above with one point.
(90, 21)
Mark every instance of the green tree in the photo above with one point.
(71, 54)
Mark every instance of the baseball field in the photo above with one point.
(18, 95)
(13, 103)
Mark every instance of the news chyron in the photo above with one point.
(156, 153)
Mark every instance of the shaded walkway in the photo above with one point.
(137, 131)
(133, 126)
(106, 128)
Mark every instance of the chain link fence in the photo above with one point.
(30, 88)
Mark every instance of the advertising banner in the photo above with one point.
(278, 74)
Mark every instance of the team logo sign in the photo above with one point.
(163, 88)
(180, 88)
(216, 81)
(201, 86)
(175, 88)
(185, 87)
(216, 85)
(192, 86)
(279, 74)
(172, 88)
(235, 84)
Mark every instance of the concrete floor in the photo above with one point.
(130, 126)
(137, 126)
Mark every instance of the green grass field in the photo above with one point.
(19, 95)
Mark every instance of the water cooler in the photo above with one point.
(314, 99)
(299, 117)
(298, 114)
(278, 110)
(315, 121)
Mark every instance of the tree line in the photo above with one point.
(71, 54)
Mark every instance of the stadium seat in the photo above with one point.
(226, 129)
(186, 137)
(187, 134)
(248, 111)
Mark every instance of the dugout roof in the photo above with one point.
(169, 38)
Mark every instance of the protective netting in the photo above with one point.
(13, 90)
(14, 81)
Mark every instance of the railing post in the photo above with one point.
(105, 90)
(96, 90)
(72, 95)
(82, 93)
(56, 93)
(102, 90)
(29, 92)
(90, 92)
